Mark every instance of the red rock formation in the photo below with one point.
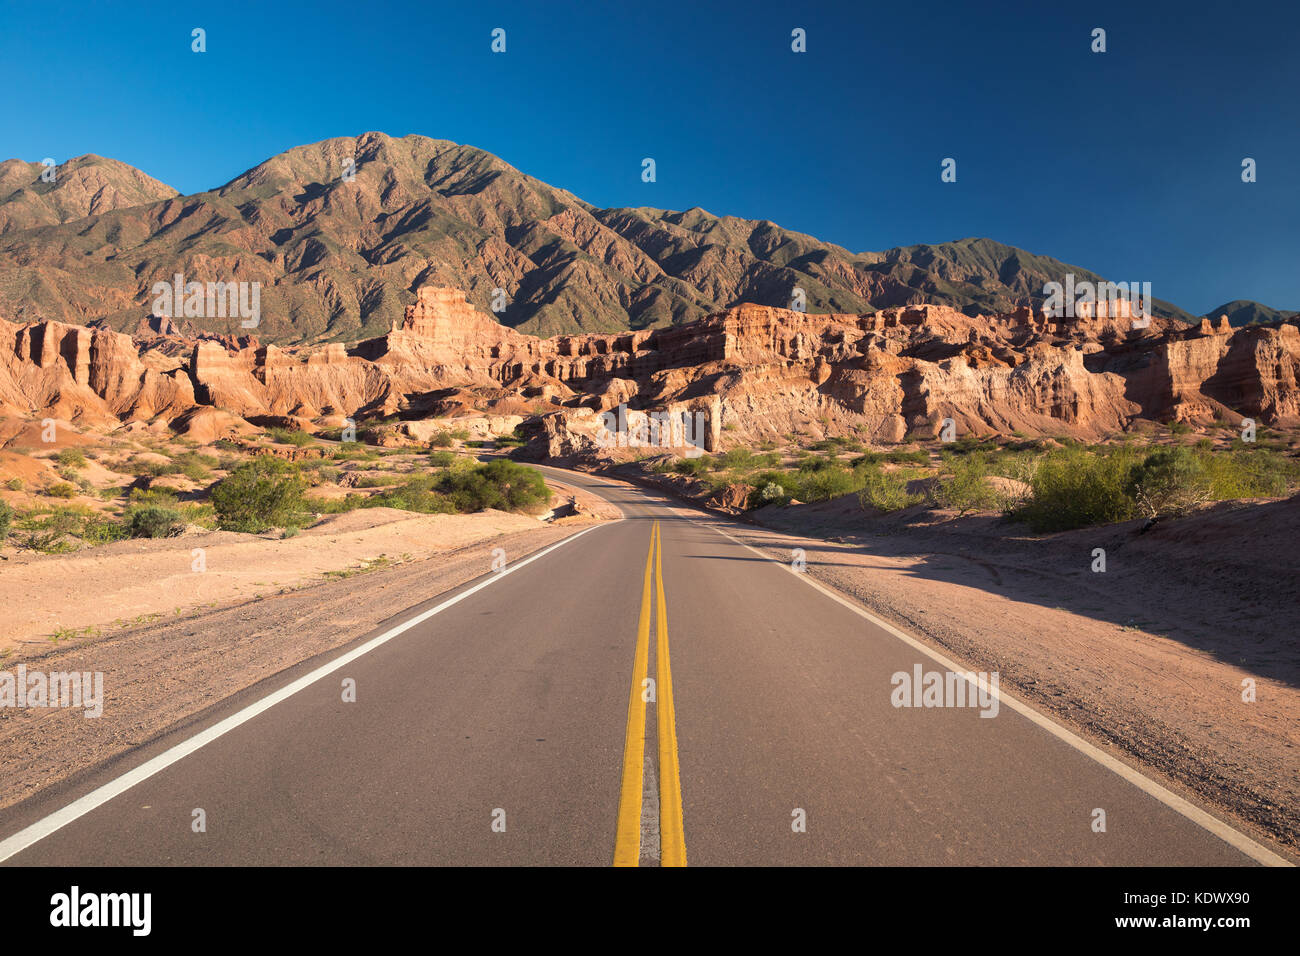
(761, 370)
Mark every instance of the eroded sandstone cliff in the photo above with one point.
(754, 370)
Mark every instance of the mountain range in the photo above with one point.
(340, 233)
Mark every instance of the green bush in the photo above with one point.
(102, 530)
(15, 484)
(887, 491)
(736, 458)
(1170, 481)
(6, 519)
(692, 466)
(196, 467)
(442, 440)
(354, 451)
(963, 484)
(1251, 473)
(61, 490)
(500, 484)
(72, 458)
(918, 457)
(813, 464)
(151, 521)
(828, 482)
(1074, 488)
(441, 459)
(286, 436)
(415, 494)
(260, 494)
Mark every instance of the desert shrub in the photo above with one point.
(6, 519)
(196, 467)
(441, 459)
(332, 506)
(442, 440)
(15, 484)
(1018, 464)
(513, 440)
(61, 490)
(735, 458)
(103, 529)
(693, 466)
(769, 488)
(151, 521)
(500, 484)
(71, 458)
(813, 464)
(460, 434)
(1251, 473)
(1170, 481)
(48, 532)
(377, 481)
(287, 436)
(159, 497)
(886, 491)
(1073, 488)
(260, 494)
(415, 494)
(963, 484)
(823, 484)
(917, 457)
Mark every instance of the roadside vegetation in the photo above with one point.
(1047, 484)
(149, 487)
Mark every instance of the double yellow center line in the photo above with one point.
(672, 840)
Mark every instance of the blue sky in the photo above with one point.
(1127, 162)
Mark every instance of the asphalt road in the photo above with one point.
(516, 726)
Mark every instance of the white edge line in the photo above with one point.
(42, 828)
(1230, 835)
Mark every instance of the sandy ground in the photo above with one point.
(132, 582)
(1147, 658)
(100, 590)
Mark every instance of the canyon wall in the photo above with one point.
(758, 371)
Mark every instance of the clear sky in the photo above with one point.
(1126, 162)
